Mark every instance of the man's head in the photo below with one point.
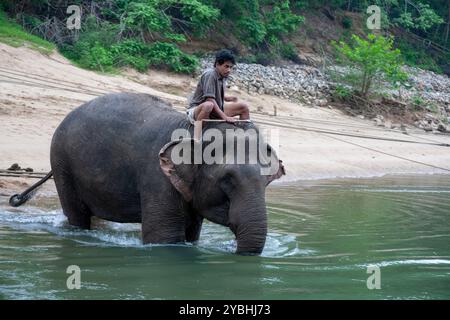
(224, 62)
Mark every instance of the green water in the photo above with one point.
(323, 235)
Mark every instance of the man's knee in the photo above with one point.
(244, 107)
(206, 107)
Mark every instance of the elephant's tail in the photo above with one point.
(20, 198)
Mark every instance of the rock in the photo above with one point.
(427, 127)
(442, 128)
(29, 170)
(378, 122)
(388, 124)
(15, 167)
(403, 128)
(321, 102)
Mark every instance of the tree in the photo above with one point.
(369, 61)
(422, 17)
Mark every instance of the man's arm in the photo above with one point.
(219, 112)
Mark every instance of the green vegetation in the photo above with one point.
(150, 33)
(347, 22)
(370, 61)
(12, 34)
(418, 102)
(416, 56)
(421, 17)
(147, 33)
(99, 48)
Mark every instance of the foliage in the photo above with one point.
(342, 92)
(261, 24)
(423, 18)
(13, 34)
(416, 56)
(263, 27)
(289, 52)
(347, 22)
(418, 102)
(369, 61)
(164, 16)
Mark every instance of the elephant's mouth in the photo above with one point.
(218, 214)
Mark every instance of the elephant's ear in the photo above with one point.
(281, 170)
(180, 179)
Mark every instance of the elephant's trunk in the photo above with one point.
(249, 224)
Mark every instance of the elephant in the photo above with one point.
(111, 158)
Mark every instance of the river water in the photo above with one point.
(324, 238)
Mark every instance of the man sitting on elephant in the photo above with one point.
(208, 100)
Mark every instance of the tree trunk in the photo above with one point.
(447, 29)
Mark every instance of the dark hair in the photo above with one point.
(223, 56)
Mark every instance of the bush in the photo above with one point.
(130, 52)
(289, 52)
(168, 55)
(342, 92)
(417, 57)
(369, 61)
(265, 58)
(98, 48)
(261, 24)
(347, 22)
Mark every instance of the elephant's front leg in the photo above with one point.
(193, 227)
(162, 221)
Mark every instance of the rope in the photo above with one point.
(313, 129)
(54, 82)
(25, 174)
(40, 85)
(361, 126)
(21, 175)
(389, 154)
(48, 79)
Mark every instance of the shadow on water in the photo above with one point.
(323, 235)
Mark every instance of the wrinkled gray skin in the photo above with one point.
(106, 161)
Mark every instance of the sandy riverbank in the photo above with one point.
(37, 91)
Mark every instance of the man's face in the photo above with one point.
(225, 68)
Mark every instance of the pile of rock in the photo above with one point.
(430, 86)
(433, 123)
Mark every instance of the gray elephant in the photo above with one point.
(112, 158)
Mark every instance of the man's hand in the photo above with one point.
(230, 99)
(230, 119)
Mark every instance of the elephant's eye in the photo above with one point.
(227, 183)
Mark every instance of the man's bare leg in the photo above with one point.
(202, 111)
(237, 109)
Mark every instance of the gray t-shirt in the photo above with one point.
(211, 85)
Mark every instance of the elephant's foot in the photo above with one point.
(82, 222)
(76, 211)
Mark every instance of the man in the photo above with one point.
(208, 100)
